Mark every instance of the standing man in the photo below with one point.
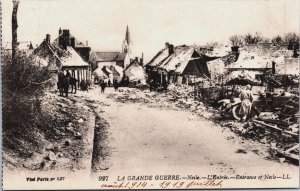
(116, 85)
(109, 82)
(246, 97)
(103, 85)
(68, 74)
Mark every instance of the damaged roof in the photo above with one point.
(159, 57)
(54, 56)
(135, 71)
(184, 59)
(251, 60)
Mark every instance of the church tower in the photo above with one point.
(127, 43)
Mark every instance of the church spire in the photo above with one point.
(127, 36)
(127, 43)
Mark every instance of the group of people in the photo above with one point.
(104, 84)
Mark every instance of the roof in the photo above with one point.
(133, 63)
(72, 58)
(78, 44)
(107, 70)
(99, 73)
(135, 71)
(160, 56)
(244, 77)
(179, 61)
(251, 60)
(53, 54)
(116, 70)
(108, 56)
(170, 62)
(120, 57)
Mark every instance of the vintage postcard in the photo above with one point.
(128, 94)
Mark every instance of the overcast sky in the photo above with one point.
(151, 22)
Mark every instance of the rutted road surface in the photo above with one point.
(143, 140)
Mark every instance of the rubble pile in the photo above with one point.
(278, 129)
(210, 95)
(177, 97)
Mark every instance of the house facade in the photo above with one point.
(60, 56)
(135, 72)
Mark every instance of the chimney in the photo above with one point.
(72, 42)
(87, 43)
(167, 45)
(171, 49)
(66, 33)
(64, 39)
(48, 38)
(30, 46)
(59, 31)
(142, 59)
(273, 67)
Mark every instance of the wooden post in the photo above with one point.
(78, 78)
(86, 74)
(14, 26)
(83, 74)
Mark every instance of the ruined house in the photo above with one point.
(61, 55)
(135, 72)
(65, 39)
(180, 64)
(108, 73)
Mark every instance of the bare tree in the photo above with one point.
(277, 40)
(248, 39)
(292, 40)
(258, 38)
(253, 39)
(236, 40)
(14, 25)
(213, 43)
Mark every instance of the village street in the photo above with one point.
(148, 140)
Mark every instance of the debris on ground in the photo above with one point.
(277, 125)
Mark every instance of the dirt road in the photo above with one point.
(143, 140)
(138, 139)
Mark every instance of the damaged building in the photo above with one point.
(180, 65)
(64, 53)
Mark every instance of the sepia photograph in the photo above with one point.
(150, 94)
